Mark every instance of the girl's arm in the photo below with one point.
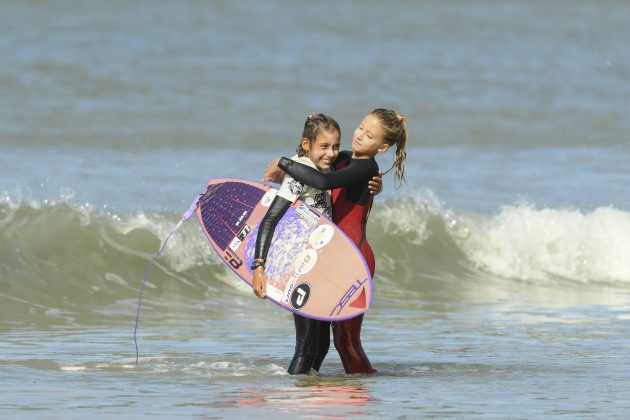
(360, 171)
(273, 173)
(277, 209)
(289, 191)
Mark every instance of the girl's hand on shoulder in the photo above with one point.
(376, 184)
(259, 282)
(273, 173)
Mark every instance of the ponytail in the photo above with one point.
(395, 128)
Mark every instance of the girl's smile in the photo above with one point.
(324, 149)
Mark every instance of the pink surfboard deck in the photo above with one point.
(313, 268)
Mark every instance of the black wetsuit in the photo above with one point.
(312, 337)
(352, 202)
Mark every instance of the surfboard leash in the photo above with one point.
(179, 224)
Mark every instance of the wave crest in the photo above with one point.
(520, 242)
(71, 261)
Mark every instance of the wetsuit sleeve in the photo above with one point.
(289, 191)
(277, 209)
(343, 155)
(358, 172)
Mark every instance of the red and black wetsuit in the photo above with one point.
(352, 202)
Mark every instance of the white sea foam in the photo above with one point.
(520, 242)
(526, 243)
(409, 216)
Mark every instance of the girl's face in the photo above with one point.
(324, 150)
(367, 140)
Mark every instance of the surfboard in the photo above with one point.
(312, 268)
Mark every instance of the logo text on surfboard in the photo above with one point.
(238, 239)
(304, 264)
(346, 297)
(240, 219)
(300, 295)
(307, 214)
(232, 258)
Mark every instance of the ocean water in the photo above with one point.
(502, 287)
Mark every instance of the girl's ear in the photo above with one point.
(306, 145)
(384, 148)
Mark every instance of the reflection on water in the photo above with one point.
(311, 396)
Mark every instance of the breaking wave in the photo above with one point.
(66, 260)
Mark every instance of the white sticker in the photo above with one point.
(235, 244)
(321, 236)
(303, 264)
(268, 197)
(274, 293)
(307, 215)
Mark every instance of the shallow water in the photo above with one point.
(502, 284)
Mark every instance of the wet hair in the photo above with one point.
(395, 133)
(314, 125)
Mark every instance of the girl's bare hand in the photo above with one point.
(376, 184)
(273, 173)
(259, 282)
